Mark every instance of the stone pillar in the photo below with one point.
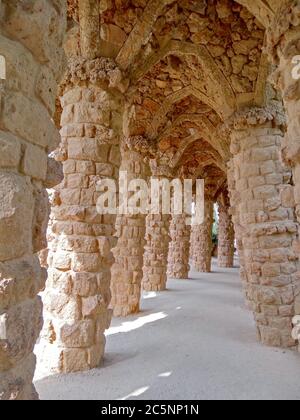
(157, 241)
(283, 38)
(235, 200)
(127, 272)
(192, 244)
(268, 227)
(203, 240)
(27, 136)
(179, 250)
(77, 293)
(225, 233)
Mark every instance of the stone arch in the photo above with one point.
(205, 129)
(171, 100)
(201, 235)
(264, 11)
(140, 32)
(261, 189)
(175, 161)
(179, 48)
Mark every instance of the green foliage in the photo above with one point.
(215, 228)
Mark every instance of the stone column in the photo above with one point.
(179, 250)
(157, 241)
(192, 244)
(127, 272)
(266, 216)
(235, 201)
(225, 233)
(203, 240)
(27, 136)
(193, 236)
(77, 293)
(283, 38)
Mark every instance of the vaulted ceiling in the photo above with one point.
(191, 64)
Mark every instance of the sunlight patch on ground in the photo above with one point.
(165, 375)
(149, 295)
(136, 393)
(134, 325)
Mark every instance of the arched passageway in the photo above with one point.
(163, 90)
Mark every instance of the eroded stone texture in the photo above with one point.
(157, 241)
(156, 253)
(127, 272)
(284, 49)
(193, 243)
(191, 66)
(27, 135)
(179, 250)
(203, 240)
(78, 293)
(268, 222)
(225, 232)
(235, 200)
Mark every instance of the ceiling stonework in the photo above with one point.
(190, 64)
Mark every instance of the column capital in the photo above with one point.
(255, 116)
(99, 72)
(284, 29)
(140, 144)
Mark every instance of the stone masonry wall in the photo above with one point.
(127, 272)
(203, 241)
(157, 241)
(266, 215)
(225, 233)
(193, 238)
(156, 253)
(284, 46)
(34, 65)
(179, 250)
(235, 200)
(78, 293)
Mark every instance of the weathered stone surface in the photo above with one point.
(19, 330)
(225, 233)
(16, 383)
(10, 150)
(16, 215)
(202, 237)
(283, 46)
(34, 60)
(263, 231)
(179, 250)
(189, 67)
(20, 280)
(157, 241)
(156, 253)
(127, 271)
(80, 239)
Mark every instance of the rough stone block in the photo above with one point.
(75, 360)
(16, 216)
(19, 329)
(10, 150)
(78, 335)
